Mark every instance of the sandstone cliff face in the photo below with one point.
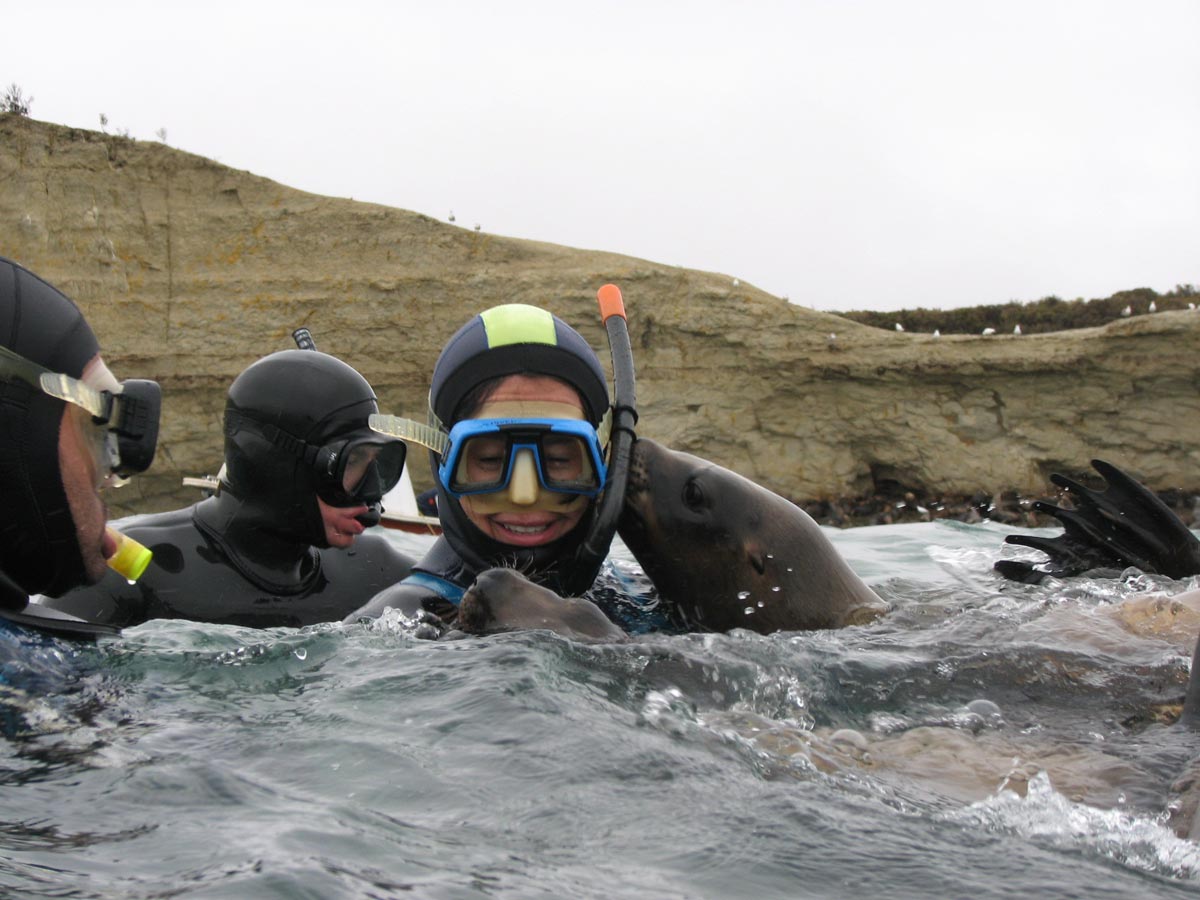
(188, 271)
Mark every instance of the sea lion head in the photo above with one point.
(727, 553)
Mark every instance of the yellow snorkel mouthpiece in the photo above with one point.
(131, 558)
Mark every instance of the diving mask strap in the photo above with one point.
(409, 430)
(307, 453)
(57, 385)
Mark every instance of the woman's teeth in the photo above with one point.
(527, 529)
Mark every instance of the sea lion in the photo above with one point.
(505, 600)
(727, 553)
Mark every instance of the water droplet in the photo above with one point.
(849, 738)
(301, 653)
(770, 556)
(775, 590)
(749, 610)
(790, 569)
(985, 708)
(760, 604)
(742, 595)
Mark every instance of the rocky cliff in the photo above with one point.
(189, 270)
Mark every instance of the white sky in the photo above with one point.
(848, 155)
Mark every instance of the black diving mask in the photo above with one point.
(350, 470)
(128, 419)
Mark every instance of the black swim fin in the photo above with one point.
(58, 623)
(1124, 525)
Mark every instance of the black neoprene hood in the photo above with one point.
(39, 547)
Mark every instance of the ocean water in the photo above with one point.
(985, 739)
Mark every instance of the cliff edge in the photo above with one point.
(189, 270)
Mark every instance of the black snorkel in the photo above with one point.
(594, 548)
(304, 339)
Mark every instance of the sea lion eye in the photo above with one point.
(693, 496)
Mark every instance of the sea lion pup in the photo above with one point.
(505, 600)
(727, 553)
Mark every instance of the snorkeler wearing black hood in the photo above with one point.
(281, 543)
(520, 420)
(67, 430)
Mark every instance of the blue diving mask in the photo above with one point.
(482, 452)
(125, 422)
(478, 455)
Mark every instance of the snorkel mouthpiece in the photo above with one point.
(371, 517)
(131, 558)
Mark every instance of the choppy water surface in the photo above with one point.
(986, 739)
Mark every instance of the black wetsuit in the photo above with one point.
(12, 597)
(207, 569)
(436, 585)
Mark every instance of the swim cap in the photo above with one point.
(39, 545)
(278, 402)
(510, 340)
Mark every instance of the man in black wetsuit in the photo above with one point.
(281, 543)
(520, 415)
(67, 430)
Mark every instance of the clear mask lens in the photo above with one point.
(357, 472)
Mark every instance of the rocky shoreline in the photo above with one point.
(1006, 508)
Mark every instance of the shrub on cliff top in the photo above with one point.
(15, 101)
(1047, 314)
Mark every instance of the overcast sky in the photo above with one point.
(847, 155)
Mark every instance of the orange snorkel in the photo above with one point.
(594, 548)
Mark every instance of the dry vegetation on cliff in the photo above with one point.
(1034, 317)
(190, 270)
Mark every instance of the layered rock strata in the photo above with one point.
(189, 270)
